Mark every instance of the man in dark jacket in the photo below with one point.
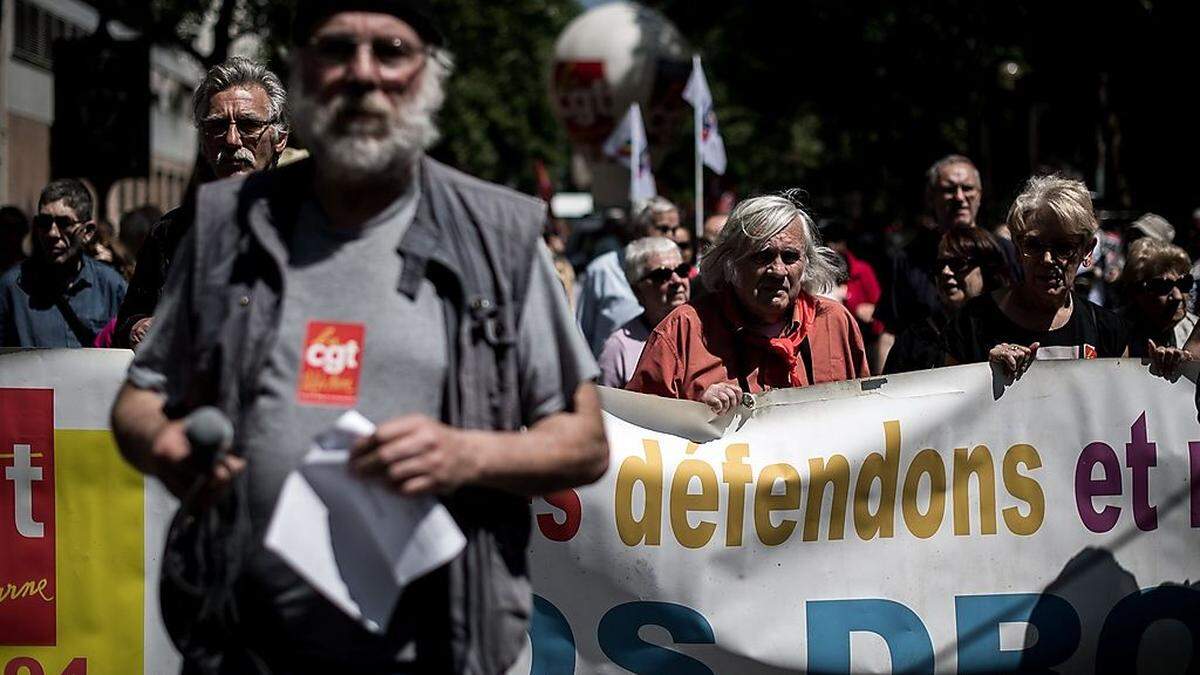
(240, 112)
(370, 278)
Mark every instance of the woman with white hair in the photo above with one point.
(1156, 280)
(658, 276)
(764, 324)
(1053, 226)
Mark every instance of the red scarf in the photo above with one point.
(783, 350)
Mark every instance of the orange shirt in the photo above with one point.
(697, 345)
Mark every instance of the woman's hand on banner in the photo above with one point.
(1166, 362)
(1013, 359)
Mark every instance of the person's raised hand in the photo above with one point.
(138, 332)
(417, 455)
(1013, 359)
(1166, 362)
(722, 397)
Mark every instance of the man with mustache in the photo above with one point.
(953, 193)
(367, 277)
(240, 113)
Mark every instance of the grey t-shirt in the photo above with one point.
(349, 340)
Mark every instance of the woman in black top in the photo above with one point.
(1053, 226)
(969, 263)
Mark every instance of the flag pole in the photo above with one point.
(698, 125)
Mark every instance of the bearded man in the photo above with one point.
(439, 288)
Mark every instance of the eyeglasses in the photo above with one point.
(663, 274)
(1160, 286)
(958, 266)
(44, 221)
(248, 129)
(391, 52)
(1032, 247)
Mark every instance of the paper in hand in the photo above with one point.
(353, 540)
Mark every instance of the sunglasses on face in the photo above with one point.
(1062, 251)
(958, 266)
(44, 221)
(1162, 286)
(663, 274)
(248, 129)
(389, 52)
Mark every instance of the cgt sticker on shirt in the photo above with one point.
(331, 363)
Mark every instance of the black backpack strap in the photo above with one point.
(82, 333)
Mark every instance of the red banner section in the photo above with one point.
(27, 563)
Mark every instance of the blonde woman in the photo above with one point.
(1053, 226)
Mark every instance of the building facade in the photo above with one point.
(28, 31)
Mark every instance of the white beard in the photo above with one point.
(379, 148)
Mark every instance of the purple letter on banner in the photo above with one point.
(1086, 488)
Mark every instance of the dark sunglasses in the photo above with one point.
(43, 221)
(957, 265)
(1061, 251)
(1160, 286)
(663, 274)
(389, 52)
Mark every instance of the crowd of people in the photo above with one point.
(773, 299)
(237, 297)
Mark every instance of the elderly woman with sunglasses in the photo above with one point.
(763, 325)
(1053, 226)
(658, 275)
(1156, 281)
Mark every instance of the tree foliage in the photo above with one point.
(853, 100)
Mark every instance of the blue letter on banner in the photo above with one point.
(979, 618)
(552, 640)
(618, 636)
(830, 623)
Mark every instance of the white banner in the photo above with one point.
(937, 521)
(961, 526)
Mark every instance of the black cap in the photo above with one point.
(416, 13)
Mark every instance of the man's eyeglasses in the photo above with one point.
(1063, 251)
(44, 221)
(663, 274)
(248, 129)
(389, 52)
(1160, 286)
(958, 266)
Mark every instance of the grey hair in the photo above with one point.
(935, 170)
(639, 252)
(648, 210)
(756, 221)
(241, 71)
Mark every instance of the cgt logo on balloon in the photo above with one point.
(27, 567)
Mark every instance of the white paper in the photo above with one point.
(355, 541)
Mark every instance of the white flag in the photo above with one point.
(628, 146)
(709, 143)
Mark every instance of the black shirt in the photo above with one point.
(910, 294)
(920, 347)
(1093, 330)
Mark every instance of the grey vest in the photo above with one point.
(476, 243)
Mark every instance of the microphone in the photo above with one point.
(210, 434)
